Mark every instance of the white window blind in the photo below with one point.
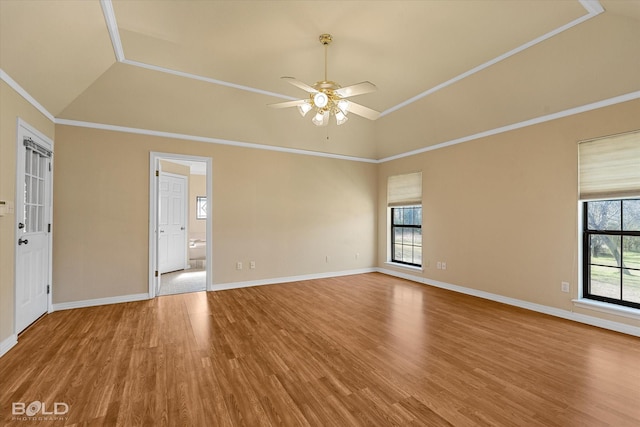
(610, 167)
(404, 190)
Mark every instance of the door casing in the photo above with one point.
(154, 217)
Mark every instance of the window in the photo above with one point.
(201, 207)
(406, 235)
(611, 251)
(404, 199)
(610, 191)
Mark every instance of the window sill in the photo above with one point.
(408, 267)
(604, 307)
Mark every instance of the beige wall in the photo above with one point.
(12, 107)
(502, 211)
(286, 212)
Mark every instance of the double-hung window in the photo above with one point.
(404, 199)
(612, 251)
(610, 195)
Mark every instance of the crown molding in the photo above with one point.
(101, 126)
(112, 27)
(592, 7)
(67, 122)
(566, 113)
(205, 79)
(30, 99)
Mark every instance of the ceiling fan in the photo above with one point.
(328, 98)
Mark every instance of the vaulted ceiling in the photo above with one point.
(445, 70)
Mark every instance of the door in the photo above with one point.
(172, 236)
(33, 213)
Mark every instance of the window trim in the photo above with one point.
(585, 246)
(391, 236)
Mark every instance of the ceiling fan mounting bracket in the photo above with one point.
(325, 39)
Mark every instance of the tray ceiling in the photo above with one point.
(444, 69)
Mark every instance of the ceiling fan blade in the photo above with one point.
(356, 89)
(363, 111)
(300, 84)
(288, 104)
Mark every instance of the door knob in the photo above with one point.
(181, 228)
(22, 241)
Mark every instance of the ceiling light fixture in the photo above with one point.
(328, 98)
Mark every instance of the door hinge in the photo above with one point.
(49, 228)
(157, 173)
(49, 166)
(156, 273)
(48, 289)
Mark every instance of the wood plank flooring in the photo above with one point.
(364, 350)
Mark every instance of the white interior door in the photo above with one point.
(32, 221)
(172, 230)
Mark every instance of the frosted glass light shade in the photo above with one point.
(320, 99)
(318, 119)
(304, 108)
(341, 117)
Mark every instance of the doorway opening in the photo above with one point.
(179, 224)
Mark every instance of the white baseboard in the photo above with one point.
(565, 314)
(99, 301)
(8, 343)
(278, 280)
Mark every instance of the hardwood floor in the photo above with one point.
(369, 350)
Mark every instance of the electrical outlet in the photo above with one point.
(439, 265)
(564, 286)
(444, 265)
(238, 265)
(252, 265)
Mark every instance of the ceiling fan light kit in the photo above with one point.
(328, 98)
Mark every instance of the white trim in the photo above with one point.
(561, 114)
(99, 301)
(30, 99)
(552, 311)
(154, 164)
(592, 7)
(7, 344)
(210, 140)
(206, 79)
(282, 280)
(112, 27)
(572, 111)
(405, 266)
(603, 307)
(494, 61)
